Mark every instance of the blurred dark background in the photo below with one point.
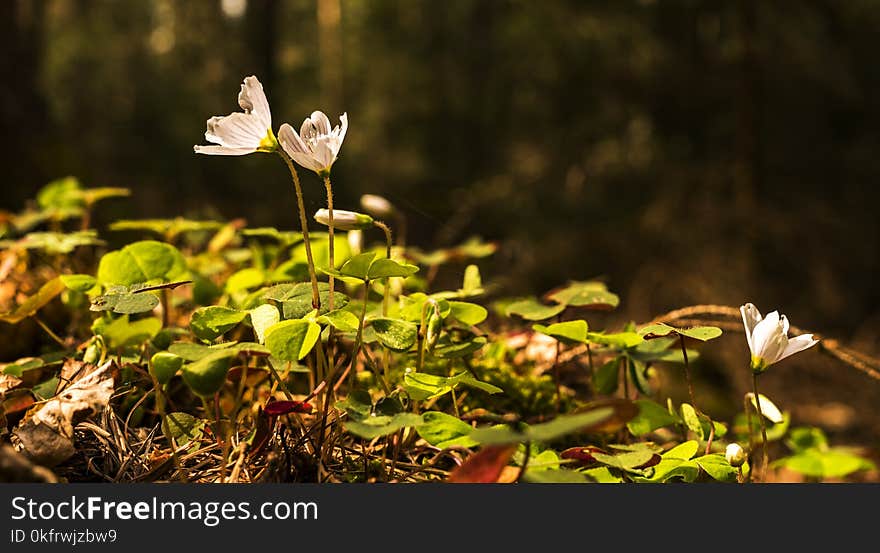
(688, 152)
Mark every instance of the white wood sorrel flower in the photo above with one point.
(344, 220)
(242, 133)
(317, 145)
(768, 338)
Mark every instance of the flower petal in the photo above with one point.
(798, 344)
(764, 334)
(321, 122)
(252, 99)
(751, 317)
(237, 130)
(342, 130)
(222, 150)
(290, 141)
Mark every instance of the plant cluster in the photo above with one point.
(216, 352)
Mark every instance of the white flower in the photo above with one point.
(377, 205)
(240, 133)
(316, 146)
(344, 220)
(735, 455)
(768, 338)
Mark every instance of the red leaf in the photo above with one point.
(483, 467)
(278, 408)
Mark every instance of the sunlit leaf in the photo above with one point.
(533, 310)
(589, 294)
(543, 432)
(382, 425)
(651, 417)
(292, 340)
(207, 323)
(442, 430)
(570, 332)
(141, 262)
(34, 303)
(395, 334)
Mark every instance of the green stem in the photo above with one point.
(687, 372)
(330, 259)
(764, 458)
(316, 297)
(388, 243)
(49, 331)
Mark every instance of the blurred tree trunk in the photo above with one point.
(262, 30)
(330, 68)
(749, 160)
(22, 106)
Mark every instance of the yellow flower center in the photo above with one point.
(269, 143)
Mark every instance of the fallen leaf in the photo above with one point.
(483, 467)
(46, 432)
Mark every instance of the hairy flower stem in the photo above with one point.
(388, 244)
(330, 258)
(316, 297)
(764, 458)
(687, 372)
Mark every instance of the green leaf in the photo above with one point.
(206, 376)
(468, 313)
(121, 332)
(804, 438)
(141, 262)
(717, 467)
(296, 299)
(421, 386)
(19, 367)
(673, 463)
(292, 340)
(544, 432)
(472, 284)
(207, 323)
(569, 332)
(183, 427)
(693, 420)
(59, 243)
(395, 334)
(620, 340)
(834, 463)
(341, 320)
(262, 318)
(450, 350)
(245, 279)
(651, 417)
(555, 476)
(659, 330)
(194, 352)
(34, 303)
(533, 310)
(585, 294)
(79, 283)
(357, 266)
(442, 430)
(625, 461)
(164, 365)
(125, 299)
(384, 267)
(65, 192)
(606, 378)
(601, 475)
(357, 404)
(383, 425)
(414, 304)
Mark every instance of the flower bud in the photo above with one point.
(735, 455)
(377, 205)
(344, 220)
